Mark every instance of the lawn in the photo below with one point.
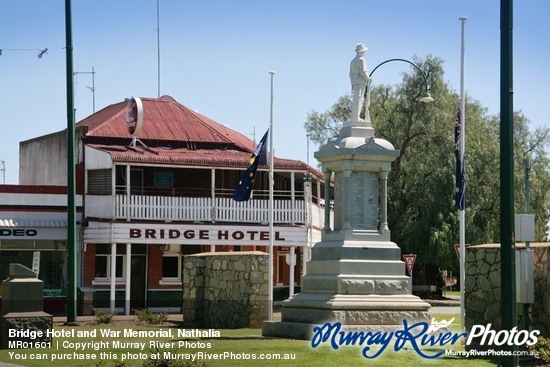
(454, 293)
(233, 348)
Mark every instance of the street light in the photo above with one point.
(426, 96)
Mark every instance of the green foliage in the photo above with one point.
(324, 126)
(146, 315)
(542, 349)
(161, 362)
(422, 214)
(531, 146)
(103, 363)
(102, 317)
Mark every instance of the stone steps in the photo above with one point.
(322, 251)
(356, 267)
(356, 284)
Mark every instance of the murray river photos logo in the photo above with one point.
(417, 336)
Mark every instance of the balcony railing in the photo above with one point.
(194, 209)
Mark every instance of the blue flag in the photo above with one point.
(460, 172)
(246, 181)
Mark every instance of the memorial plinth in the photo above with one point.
(355, 275)
(22, 309)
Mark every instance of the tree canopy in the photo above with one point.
(422, 214)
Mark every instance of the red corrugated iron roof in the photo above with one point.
(192, 157)
(164, 119)
(173, 134)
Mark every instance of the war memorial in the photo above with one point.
(355, 276)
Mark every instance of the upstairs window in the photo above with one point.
(100, 182)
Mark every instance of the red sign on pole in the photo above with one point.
(409, 261)
(457, 250)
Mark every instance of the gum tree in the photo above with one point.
(422, 214)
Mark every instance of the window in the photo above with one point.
(52, 261)
(103, 266)
(103, 263)
(99, 182)
(171, 269)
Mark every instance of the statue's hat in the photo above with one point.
(360, 48)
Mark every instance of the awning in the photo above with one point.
(33, 223)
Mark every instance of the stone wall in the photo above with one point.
(482, 288)
(225, 289)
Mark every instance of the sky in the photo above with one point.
(216, 55)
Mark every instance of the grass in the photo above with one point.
(238, 342)
(455, 292)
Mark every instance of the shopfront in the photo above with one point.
(147, 258)
(41, 249)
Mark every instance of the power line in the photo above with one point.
(40, 52)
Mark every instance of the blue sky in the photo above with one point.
(216, 56)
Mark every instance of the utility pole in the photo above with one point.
(507, 236)
(3, 169)
(71, 178)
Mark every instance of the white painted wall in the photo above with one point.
(43, 161)
(96, 159)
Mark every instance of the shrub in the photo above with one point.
(146, 315)
(102, 317)
(118, 363)
(171, 362)
(542, 349)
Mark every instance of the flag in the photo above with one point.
(246, 181)
(460, 172)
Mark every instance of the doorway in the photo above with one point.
(138, 274)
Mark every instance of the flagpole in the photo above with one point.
(271, 231)
(462, 154)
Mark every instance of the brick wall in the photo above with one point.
(154, 268)
(89, 265)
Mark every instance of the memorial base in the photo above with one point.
(32, 323)
(303, 312)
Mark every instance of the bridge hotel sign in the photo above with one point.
(193, 234)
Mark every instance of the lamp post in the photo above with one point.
(424, 98)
